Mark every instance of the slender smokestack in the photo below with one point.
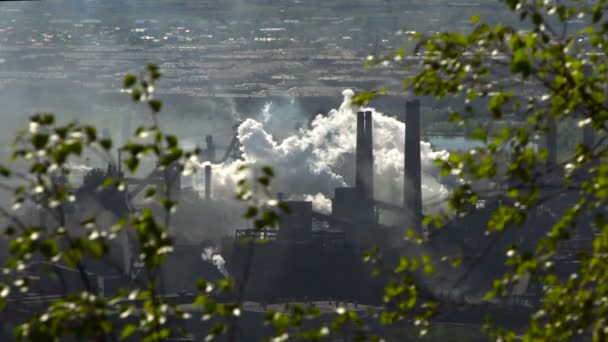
(588, 136)
(360, 151)
(119, 163)
(552, 145)
(210, 148)
(126, 127)
(412, 184)
(207, 182)
(369, 157)
(588, 139)
(588, 132)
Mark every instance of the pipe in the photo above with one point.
(412, 178)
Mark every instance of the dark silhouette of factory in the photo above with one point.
(319, 257)
(315, 256)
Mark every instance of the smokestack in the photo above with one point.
(365, 155)
(126, 127)
(360, 150)
(119, 163)
(552, 145)
(207, 182)
(589, 141)
(369, 158)
(210, 148)
(412, 183)
(588, 136)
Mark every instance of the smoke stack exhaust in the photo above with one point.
(412, 183)
(207, 182)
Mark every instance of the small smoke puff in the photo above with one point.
(320, 202)
(212, 256)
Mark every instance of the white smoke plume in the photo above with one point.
(212, 256)
(311, 162)
(77, 172)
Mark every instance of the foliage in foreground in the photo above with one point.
(551, 69)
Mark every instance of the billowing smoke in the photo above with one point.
(312, 162)
(212, 256)
(77, 172)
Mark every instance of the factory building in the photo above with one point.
(320, 256)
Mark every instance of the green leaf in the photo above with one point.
(268, 171)
(5, 171)
(136, 94)
(91, 133)
(132, 163)
(106, 143)
(521, 63)
(155, 105)
(171, 141)
(8, 231)
(129, 81)
(128, 330)
(72, 257)
(479, 134)
(39, 140)
(150, 192)
(363, 97)
(152, 68)
(251, 212)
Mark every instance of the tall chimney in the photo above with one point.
(364, 179)
(207, 182)
(126, 127)
(119, 163)
(369, 157)
(588, 136)
(210, 148)
(551, 142)
(412, 183)
(360, 151)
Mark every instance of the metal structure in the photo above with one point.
(412, 182)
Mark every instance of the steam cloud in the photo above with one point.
(212, 256)
(313, 161)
